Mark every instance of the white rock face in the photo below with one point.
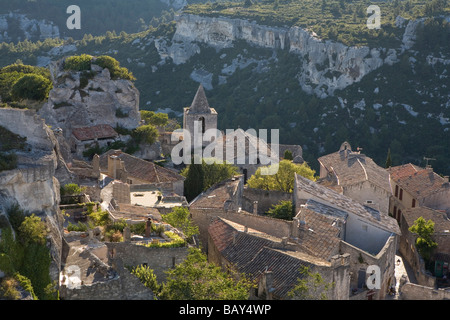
(327, 65)
(71, 106)
(31, 28)
(33, 184)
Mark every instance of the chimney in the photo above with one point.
(148, 228)
(268, 277)
(126, 234)
(255, 207)
(245, 229)
(446, 179)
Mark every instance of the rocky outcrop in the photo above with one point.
(30, 29)
(326, 65)
(33, 184)
(85, 99)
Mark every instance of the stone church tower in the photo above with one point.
(199, 111)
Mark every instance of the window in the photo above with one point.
(413, 203)
(369, 201)
(401, 194)
(395, 212)
(399, 215)
(202, 119)
(396, 191)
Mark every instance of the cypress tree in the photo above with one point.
(388, 159)
(193, 185)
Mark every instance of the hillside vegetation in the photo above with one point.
(340, 20)
(403, 107)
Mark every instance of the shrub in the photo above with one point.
(8, 161)
(78, 63)
(114, 236)
(146, 133)
(114, 68)
(16, 216)
(99, 217)
(147, 277)
(72, 189)
(138, 228)
(8, 289)
(77, 227)
(33, 230)
(31, 86)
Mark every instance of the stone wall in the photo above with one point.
(411, 291)
(158, 259)
(124, 286)
(407, 249)
(361, 260)
(264, 198)
(203, 217)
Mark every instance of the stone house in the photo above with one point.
(414, 186)
(115, 164)
(358, 176)
(440, 256)
(273, 263)
(327, 224)
(367, 235)
(84, 138)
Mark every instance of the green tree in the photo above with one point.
(72, 189)
(424, 231)
(147, 277)
(146, 134)
(31, 86)
(388, 163)
(33, 230)
(194, 183)
(179, 218)
(284, 210)
(156, 119)
(288, 155)
(283, 180)
(217, 172)
(310, 286)
(196, 279)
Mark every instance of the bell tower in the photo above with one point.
(201, 112)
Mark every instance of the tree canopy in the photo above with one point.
(196, 279)
(424, 231)
(283, 180)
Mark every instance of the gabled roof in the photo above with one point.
(244, 144)
(353, 167)
(141, 169)
(200, 103)
(218, 196)
(441, 222)
(100, 131)
(419, 182)
(254, 252)
(344, 203)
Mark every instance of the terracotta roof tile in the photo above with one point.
(141, 169)
(254, 252)
(101, 131)
(353, 167)
(419, 182)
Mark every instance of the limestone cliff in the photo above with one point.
(326, 65)
(84, 99)
(18, 27)
(33, 184)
